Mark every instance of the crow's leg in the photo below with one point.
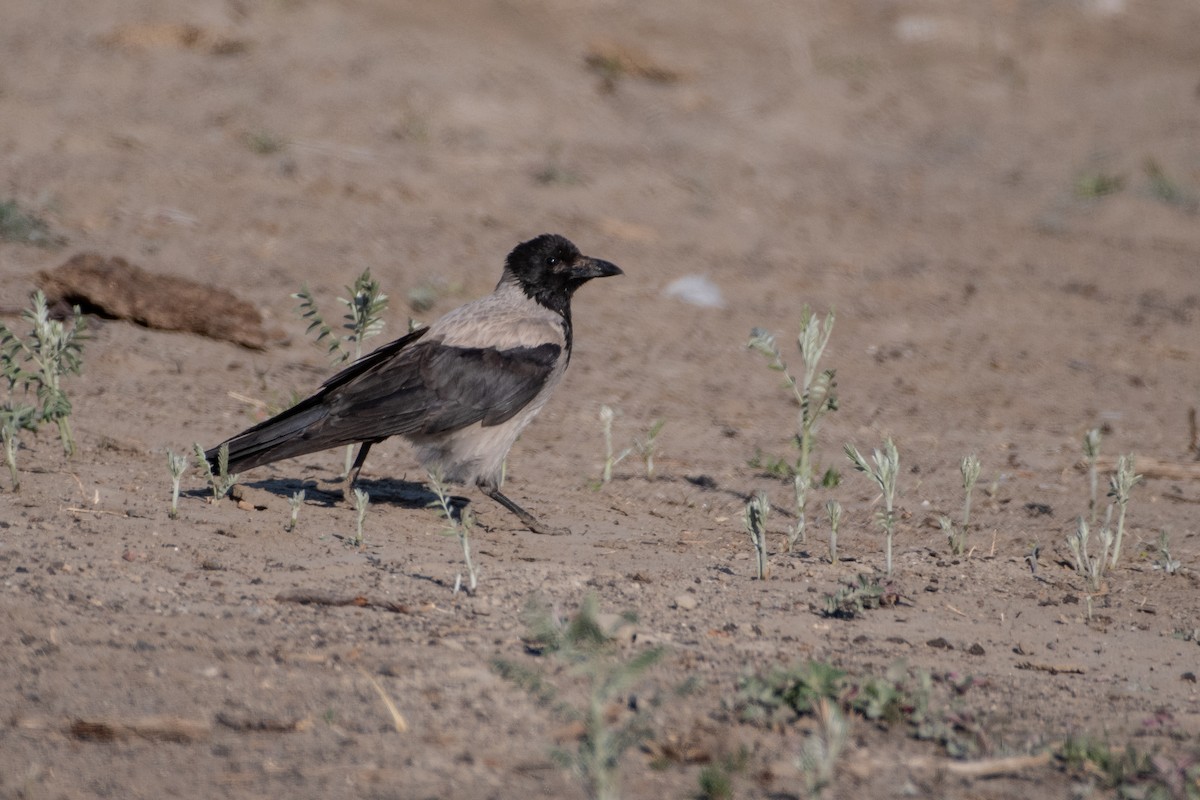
(352, 475)
(528, 519)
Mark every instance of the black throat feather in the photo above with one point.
(558, 300)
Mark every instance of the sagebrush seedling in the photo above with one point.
(816, 394)
(823, 747)
(1165, 561)
(14, 418)
(1120, 485)
(1091, 567)
(834, 509)
(220, 481)
(754, 520)
(883, 469)
(38, 361)
(458, 524)
(1091, 452)
(646, 446)
(361, 502)
(363, 320)
(592, 653)
(176, 464)
(957, 536)
(295, 503)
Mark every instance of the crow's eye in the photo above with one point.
(551, 261)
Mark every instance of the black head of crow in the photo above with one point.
(550, 268)
(460, 390)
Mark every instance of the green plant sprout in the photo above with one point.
(958, 537)
(823, 747)
(458, 525)
(1169, 191)
(176, 463)
(52, 349)
(361, 501)
(1091, 452)
(1165, 562)
(363, 320)
(265, 143)
(815, 392)
(785, 692)
(754, 520)
(899, 697)
(1097, 184)
(834, 509)
(15, 418)
(24, 227)
(592, 653)
(1120, 484)
(716, 778)
(1091, 568)
(221, 481)
(883, 471)
(646, 447)
(295, 503)
(853, 598)
(610, 461)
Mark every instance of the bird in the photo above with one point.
(460, 390)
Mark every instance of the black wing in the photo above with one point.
(295, 431)
(406, 387)
(435, 388)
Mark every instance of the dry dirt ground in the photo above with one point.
(998, 198)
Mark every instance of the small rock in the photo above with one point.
(696, 290)
(976, 649)
(686, 602)
(940, 643)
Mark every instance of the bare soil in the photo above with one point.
(998, 199)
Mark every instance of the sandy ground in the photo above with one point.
(999, 200)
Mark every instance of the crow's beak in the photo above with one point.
(586, 268)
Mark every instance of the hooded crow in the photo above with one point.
(460, 390)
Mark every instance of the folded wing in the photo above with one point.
(412, 386)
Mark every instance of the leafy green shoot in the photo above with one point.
(295, 503)
(39, 361)
(458, 524)
(882, 469)
(220, 481)
(754, 520)
(361, 501)
(592, 653)
(14, 418)
(177, 464)
(815, 392)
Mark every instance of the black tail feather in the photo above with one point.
(301, 429)
(282, 436)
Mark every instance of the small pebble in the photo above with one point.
(686, 602)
